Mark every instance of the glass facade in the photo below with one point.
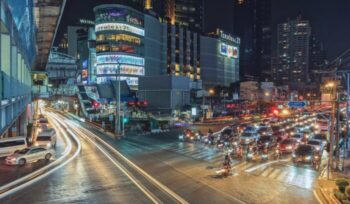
(119, 44)
(17, 53)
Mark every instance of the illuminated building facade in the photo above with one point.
(219, 59)
(119, 44)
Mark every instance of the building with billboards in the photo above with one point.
(219, 59)
(119, 44)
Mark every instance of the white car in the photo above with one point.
(47, 138)
(28, 155)
(248, 137)
(11, 144)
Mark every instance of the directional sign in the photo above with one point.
(296, 104)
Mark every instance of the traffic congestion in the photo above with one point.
(302, 139)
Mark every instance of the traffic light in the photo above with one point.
(125, 120)
(343, 97)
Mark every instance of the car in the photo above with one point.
(248, 137)
(305, 154)
(46, 138)
(317, 144)
(287, 145)
(188, 135)
(299, 138)
(267, 141)
(321, 137)
(11, 144)
(265, 131)
(28, 155)
(250, 129)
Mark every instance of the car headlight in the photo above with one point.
(266, 143)
(48, 145)
(191, 138)
(317, 148)
(250, 155)
(36, 144)
(308, 157)
(206, 140)
(316, 157)
(293, 155)
(289, 147)
(181, 137)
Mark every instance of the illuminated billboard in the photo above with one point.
(109, 69)
(131, 81)
(228, 50)
(119, 27)
(119, 14)
(122, 59)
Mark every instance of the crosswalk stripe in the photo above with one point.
(282, 176)
(266, 171)
(274, 173)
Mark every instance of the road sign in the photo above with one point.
(296, 104)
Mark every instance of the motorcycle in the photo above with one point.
(225, 171)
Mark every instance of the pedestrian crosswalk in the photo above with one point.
(278, 171)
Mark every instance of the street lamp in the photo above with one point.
(117, 118)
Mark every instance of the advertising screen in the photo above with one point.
(228, 50)
(120, 15)
(109, 69)
(131, 81)
(123, 59)
(119, 27)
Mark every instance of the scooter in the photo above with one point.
(225, 171)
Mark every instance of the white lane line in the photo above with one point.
(142, 172)
(150, 195)
(265, 164)
(267, 171)
(274, 173)
(42, 176)
(282, 176)
(317, 197)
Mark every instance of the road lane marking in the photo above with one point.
(274, 173)
(265, 164)
(317, 197)
(146, 175)
(267, 171)
(282, 176)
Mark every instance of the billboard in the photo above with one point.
(119, 14)
(119, 27)
(125, 69)
(122, 59)
(228, 50)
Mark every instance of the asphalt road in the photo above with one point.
(91, 178)
(189, 170)
(11, 173)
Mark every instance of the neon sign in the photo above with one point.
(119, 26)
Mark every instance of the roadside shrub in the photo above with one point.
(340, 196)
(342, 184)
(347, 192)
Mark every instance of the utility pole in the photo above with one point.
(117, 118)
(331, 132)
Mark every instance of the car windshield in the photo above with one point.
(263, 129)
(297, 136)
(247, 134)
(304, 149)
(313, 142)
(275, 128)
(287, 141)
(227, 131)
(43, 138)
(265, 138)
(249, 128)
(320, 137)
(23, 151)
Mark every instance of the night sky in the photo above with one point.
(330, 20)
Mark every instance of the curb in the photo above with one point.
(330, 198)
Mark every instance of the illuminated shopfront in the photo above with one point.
(119, 44)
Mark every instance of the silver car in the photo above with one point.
(31, 154)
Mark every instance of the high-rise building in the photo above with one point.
(293, 51)
(185, 13)
(252, 23)
(317, 59)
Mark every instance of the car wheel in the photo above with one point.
(22, 162)
(47, 156)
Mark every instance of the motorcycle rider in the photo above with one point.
(227, 163)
